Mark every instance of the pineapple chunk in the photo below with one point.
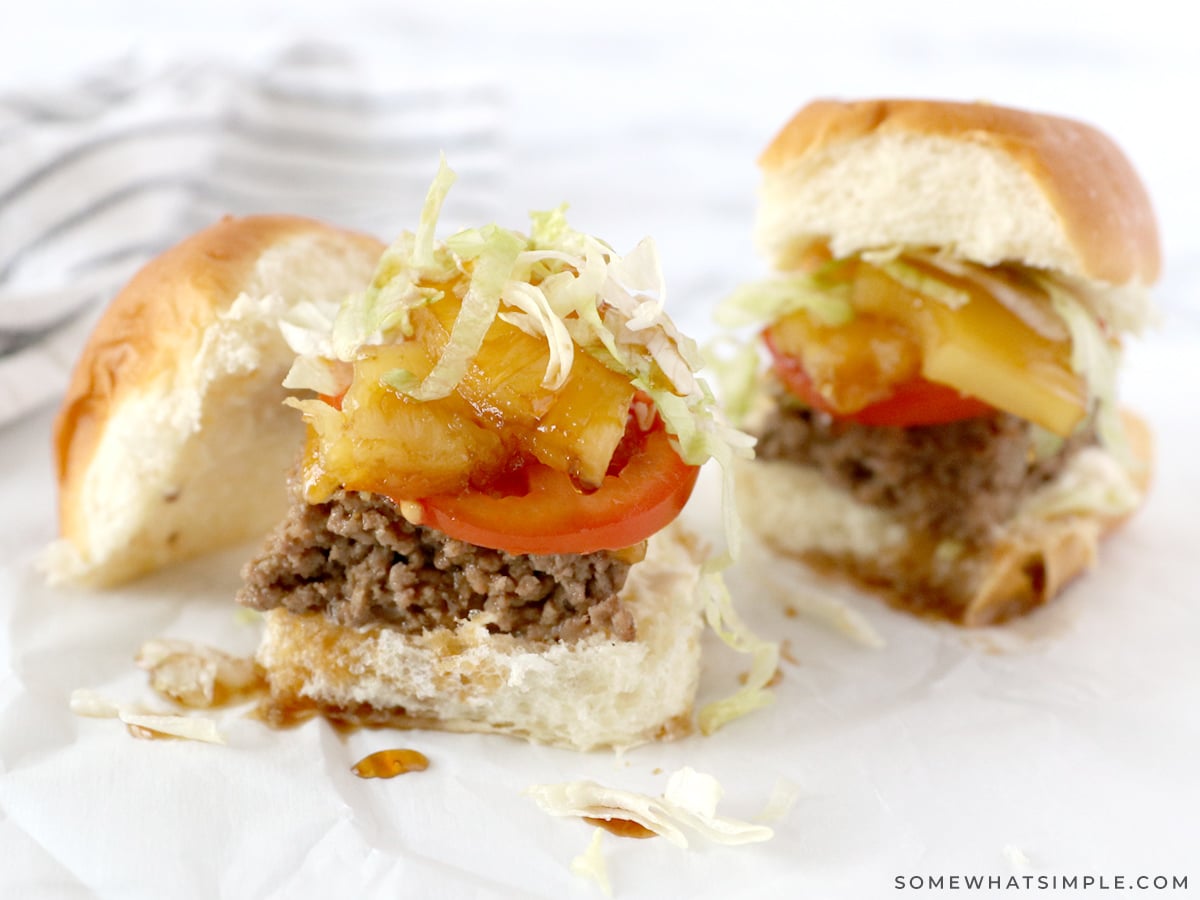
(390, 444)
(982, 349)
(384, 442)
(575, 429)
(1020, 372)
(853, 365)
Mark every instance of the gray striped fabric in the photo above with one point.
(98, 178)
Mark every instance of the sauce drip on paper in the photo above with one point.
(622, 827)
(390, 763)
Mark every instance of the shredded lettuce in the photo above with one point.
(1124, 308)
(322, 375)
(689, 801)
(1012, 286)
(783, 797)
(880, 256)
(737, 375)
(1096, 359)
(401, 381)
(767, 301)
(922, 282)
(564, 286)
(559, 284)
(700, 433)
(422, 251)
(729, 627)
(1045, 443)
(540, 318)
(88, 703)
(828, 609)
(549, 228)
(1095, 482)
(307, 328)
(590, 864)
(492, 269)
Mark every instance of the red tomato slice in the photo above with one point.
(554, 516)
(913, 403)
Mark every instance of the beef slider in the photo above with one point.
(951, 282)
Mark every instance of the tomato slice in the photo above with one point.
(912, 403)
(549, 514)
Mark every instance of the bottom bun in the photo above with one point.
(1053, 538)
(594, 692)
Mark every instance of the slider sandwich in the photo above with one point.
(501, 431)
(952, 284)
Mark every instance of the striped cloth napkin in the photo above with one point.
(98, 178)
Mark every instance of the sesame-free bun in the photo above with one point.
(987, 183)
(1051, 540)
(172, 439)
(591, 693)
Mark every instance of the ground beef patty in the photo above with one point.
(356, 559)
(950, 481)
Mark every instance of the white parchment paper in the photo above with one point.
(1064, 743)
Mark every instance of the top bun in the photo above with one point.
(172, 439)
(990, 184)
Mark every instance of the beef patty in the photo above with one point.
(954, 481)
(357, 560)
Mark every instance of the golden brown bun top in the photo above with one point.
(166, 307)
(1102, 207)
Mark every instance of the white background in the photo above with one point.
(647, 117)
(1071, 736)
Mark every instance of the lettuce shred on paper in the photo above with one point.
(688, 804)
(194, 728)
(590, 864)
